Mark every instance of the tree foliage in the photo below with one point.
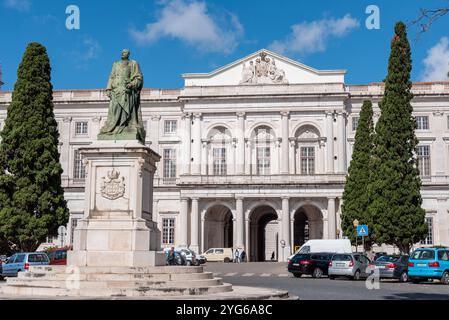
(355, 195)
(394, 191)
(32, 204)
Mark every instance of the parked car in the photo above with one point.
(320, 245)
(201, 259)
(58, 256)
(352, 265)
(377, 255)
(219, 254)
(315, 264)
(22, 262)
(189, 256)
(392, 267)
(429, 263)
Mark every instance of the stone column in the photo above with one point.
(195, 220)
(240, 147)
(292, 156)
(204, 156)
(330, 142)
(341, 136)
(286, 228)
(332, 234)
(154, 132)
(240, 223)
(247, 240)
(284, 146)
(66, 158)
(96, 122)
(196, 154)
(186, 144)
(183, 221)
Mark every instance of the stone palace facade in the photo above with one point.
(255, 154)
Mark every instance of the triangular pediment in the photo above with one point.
(261, 68)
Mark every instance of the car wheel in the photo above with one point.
(356, 276)
(227, 260)
(445, 278)
(403, 277)
(317, 273)
(297, 275)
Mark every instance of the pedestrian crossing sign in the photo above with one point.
(362, 231)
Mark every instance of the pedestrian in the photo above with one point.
(243, 256)
(272, 256)
(236, 255)
(171, 257)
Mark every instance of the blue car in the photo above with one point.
(429, 263)
(22, 262)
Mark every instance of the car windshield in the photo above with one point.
(388, 259)
(423, 255)
(342, 257)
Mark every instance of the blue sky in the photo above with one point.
(171, 37)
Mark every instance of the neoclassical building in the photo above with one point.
(255, 154)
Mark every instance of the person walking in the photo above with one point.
(171, 257)
(243, 256)
(236, 255)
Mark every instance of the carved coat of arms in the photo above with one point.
(113, 186)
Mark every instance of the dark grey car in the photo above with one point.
(392, 267)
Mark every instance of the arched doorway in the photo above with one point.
(263, 234)
(307, 225)
(218, 228)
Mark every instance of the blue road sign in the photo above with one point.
(362, 231)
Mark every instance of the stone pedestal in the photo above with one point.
(117, 228)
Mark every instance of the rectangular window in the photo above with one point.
(81, 128)
(423, 154)
(170, 126)
(307, 160)
(263, 160)
(168, 231)
(169, 163)
(429, 239)
(219, 162)
(355, 123)
(422, 122)
(79, 171)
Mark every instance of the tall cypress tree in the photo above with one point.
(395, 188)
(32, 204)
(355, 195)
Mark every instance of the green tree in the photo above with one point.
(355, 195)
(395, 199)
(32, 204)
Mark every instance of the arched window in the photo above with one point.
(308, 143)
(220, 140)
(263, 139)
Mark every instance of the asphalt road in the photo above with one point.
(275, 275)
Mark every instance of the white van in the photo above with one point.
(218, 254)
(331, 246)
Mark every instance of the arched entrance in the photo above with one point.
(307, 225)
(218, 228)
(263, 234)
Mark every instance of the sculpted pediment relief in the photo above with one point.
(262, 71)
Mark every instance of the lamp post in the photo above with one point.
(355, 223)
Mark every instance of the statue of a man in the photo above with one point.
(124, 116)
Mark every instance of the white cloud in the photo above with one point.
(437, 62)
(310, 37)
(192, 23)
(92, 49)
(20, 5)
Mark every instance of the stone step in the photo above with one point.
(15, 290)
(117, 276)
(82, 284)
(118, 270)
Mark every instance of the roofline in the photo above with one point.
(278, 56)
